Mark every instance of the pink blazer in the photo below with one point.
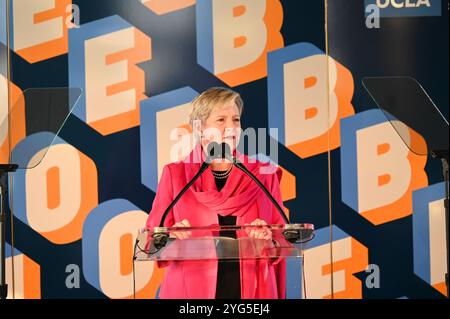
(240, 197)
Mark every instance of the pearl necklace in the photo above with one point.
(222, 175)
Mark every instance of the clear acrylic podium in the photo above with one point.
(225, 243)
(217, 242)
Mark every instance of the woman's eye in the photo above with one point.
(220, 120)
(237, 120)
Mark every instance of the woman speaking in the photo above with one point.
(222, 195)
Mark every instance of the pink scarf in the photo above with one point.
(239, 191)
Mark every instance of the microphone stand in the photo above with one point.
(244, 169)
(160, 235)
(290, 233)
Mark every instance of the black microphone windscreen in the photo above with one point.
(218, 151)
(214, 150)
(225, 150)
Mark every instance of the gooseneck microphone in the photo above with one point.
(290, 234)
(216, 151)
(160, 235)
(226, 153)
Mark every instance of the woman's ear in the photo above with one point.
(196, 125)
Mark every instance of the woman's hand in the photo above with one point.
(259, 233)
(181, 234)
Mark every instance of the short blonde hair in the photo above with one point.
(205, 103)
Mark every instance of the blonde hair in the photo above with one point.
(205, 103)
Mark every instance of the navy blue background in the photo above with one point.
(421, 51)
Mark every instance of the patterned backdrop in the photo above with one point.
(377, 207)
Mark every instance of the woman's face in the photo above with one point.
(222, 125)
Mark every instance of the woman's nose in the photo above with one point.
(228, 131)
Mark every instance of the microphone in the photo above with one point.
(225, 152)
(218, 151)
(160, 235)
(290, 233)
